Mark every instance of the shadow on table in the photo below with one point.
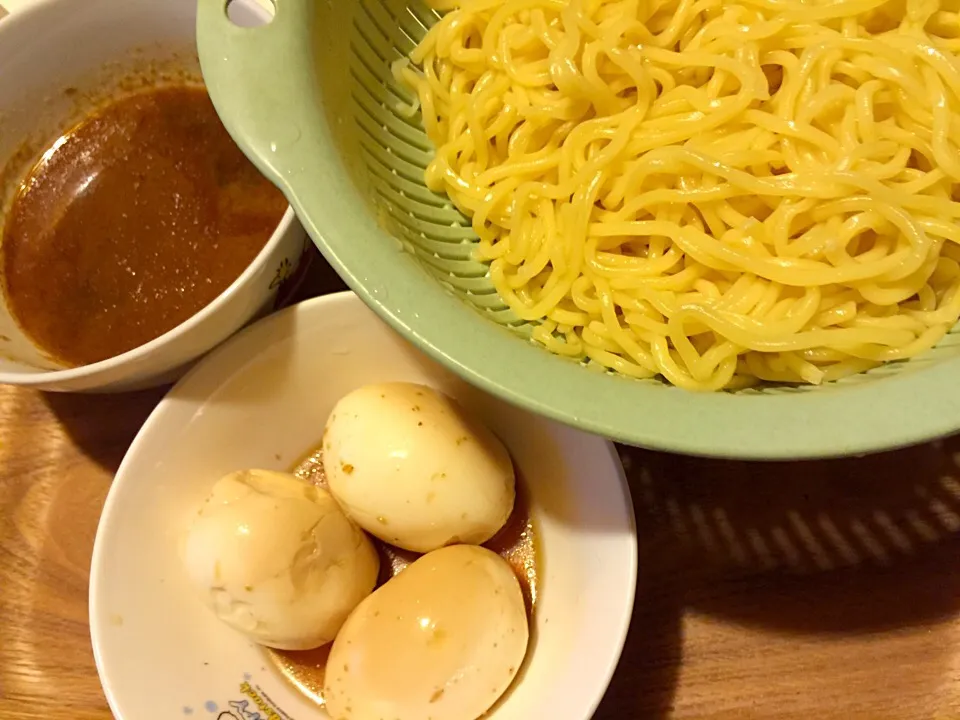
(319, 278)
(103, 426)
(842, 547)
(854, 546)
(804, 517)
(645, 682)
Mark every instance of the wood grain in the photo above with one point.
(796, 591)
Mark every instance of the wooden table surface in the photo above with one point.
(802, 590)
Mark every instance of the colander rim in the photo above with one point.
(264, 87)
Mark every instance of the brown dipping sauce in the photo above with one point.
(130, 224)
(516, 543)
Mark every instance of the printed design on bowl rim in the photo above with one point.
(289, 285)
(253, 703)
(284, 271)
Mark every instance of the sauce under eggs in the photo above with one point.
(516, 543)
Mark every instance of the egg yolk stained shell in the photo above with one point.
(443, 640)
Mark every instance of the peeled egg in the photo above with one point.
(443, 640)
(277, 559)
(411, 468)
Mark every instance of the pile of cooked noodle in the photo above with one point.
(714, 191)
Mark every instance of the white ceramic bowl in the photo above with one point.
(261, 400)
(51, 45)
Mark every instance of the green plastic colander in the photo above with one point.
(312, 101)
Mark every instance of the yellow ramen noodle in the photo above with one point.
(716, 192)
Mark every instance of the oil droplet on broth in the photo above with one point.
(516, 543)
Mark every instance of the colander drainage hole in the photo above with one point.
(251, 13)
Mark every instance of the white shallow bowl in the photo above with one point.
(261, 400)
(48, 46)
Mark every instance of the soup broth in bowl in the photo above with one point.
(135, 220)
(135, 235)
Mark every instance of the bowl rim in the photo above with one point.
(11, 25)
(171, 403)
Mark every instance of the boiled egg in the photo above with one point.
(411, 468)
(443, 640)
(277, 559)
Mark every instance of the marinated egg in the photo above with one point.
(443, 640)
(411, 468)
(276, 558)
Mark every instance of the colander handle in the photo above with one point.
(247, 71)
